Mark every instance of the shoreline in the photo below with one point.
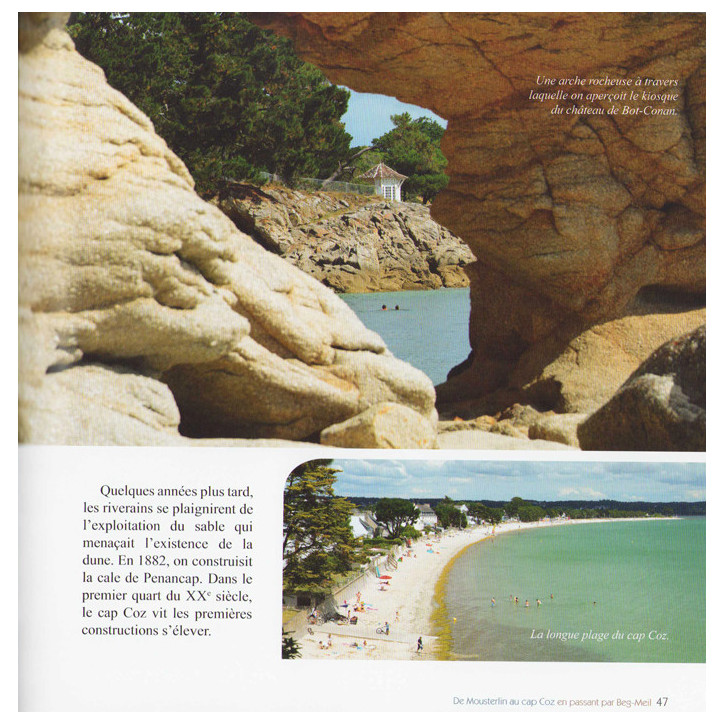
(412, 603)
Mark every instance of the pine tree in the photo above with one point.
(412, 148)
(228, 97)
(318, 540)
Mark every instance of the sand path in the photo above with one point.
(405, 604)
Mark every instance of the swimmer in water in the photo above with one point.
(537, 602)
(492, 603)
(527, 605)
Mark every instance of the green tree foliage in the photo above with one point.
(449, 515)
(364, 162)
(478, 512)
(318, 541)
(412, 148)
(409, 531)
(531, 513)
(483, 514)
(290, 647)
(512, 508)
(496, 515)
(228, 97)
(395, 514)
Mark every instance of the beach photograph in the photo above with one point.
(469, 560)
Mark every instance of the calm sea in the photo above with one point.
(430, 330)
(647, 579)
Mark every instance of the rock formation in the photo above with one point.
(385, 425)
(143, 310)
(147, 317)
(662, 406)
(351, 243)
(574, 218)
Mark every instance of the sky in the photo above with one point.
(501, 480)
(368, 116)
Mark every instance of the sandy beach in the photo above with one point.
(406, 603)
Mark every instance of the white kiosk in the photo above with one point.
(387, 181)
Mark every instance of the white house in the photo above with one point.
(387, 181)
(363, 525)
(427, 516)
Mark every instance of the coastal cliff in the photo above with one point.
(351, 243)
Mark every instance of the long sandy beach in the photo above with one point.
(405, 603)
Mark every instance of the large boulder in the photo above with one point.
(662, 406)
(386, 425)
(579, 375)
(570, 216)
(143, 304)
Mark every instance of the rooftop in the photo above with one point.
(382, 171)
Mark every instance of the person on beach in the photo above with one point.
(419, 645)
(387, 628)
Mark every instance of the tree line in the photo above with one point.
(319, 545)
(232, 100)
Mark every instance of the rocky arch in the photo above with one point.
(570, 216)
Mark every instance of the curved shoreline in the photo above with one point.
(440, 620)
(412, 603)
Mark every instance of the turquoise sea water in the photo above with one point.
(430, 330)
(644, 576)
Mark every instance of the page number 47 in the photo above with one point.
(662, 700)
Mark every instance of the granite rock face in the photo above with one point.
(662, 406)
(386, 425)
(577, 373)
(141, 303)
(352, 243)
(570, 216)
